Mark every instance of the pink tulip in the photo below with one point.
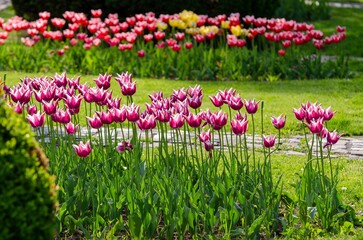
(251, 106)
(278, 122)
(328, 114)
(239, 127)
(141, 53)
(179, 94)
(146, 123)
(235, 102)
(95, 122)
(193, 120)
(119, 115)
(269, 141)
(208, 145)
(61, 116)
(124, 146)
(71, 128)
(73, 102)
(133, 113)
(299, 113)
(106, 117)
(18, 108)
(103, 81)
(176, 121)
(195, 101)
(32, 109)
(83, 149)
(216, 120)
(195, 91)
(163, 115)
(36, 120)
(217, 100)
(205, 136)
(316, 126)
(333, 137)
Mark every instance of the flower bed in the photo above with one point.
(178, 46)
(199, 179)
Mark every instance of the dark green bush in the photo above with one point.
(125, 8)
(27, 192)
(299, 10)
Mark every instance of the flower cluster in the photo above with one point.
(314, 117)
(175, 31)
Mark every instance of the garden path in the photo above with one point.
(349, 147)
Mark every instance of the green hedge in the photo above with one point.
(27, 192)
(125, 8)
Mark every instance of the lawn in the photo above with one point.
(279, 97)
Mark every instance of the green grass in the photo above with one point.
(344, 96)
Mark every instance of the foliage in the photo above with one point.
(28, 198)
(175, 169)
(29, 9)
(303, 11)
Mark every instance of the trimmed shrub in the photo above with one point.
(27, 192)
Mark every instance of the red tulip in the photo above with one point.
(282, 52)
(141, 53)
(83, 149)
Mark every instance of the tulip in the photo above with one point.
(299, 113)
(123, 146)
(103, 81)
(217, 100)
(61, 116)
(73, 102)
(133, 113)
(179, 94)
(106, 117)
(36, 120)
(195, 101)
(316, 126)
(208, 146)
(239, 127)
(71, 128)
(328, 114)
(141, 53)
(217, 120)
(83, 149)
(269, 141)
(176, 121)
(128, 89)
(193, 120)
(278, 122)
(32, 109)
(163, 115)
(281, 52)
(95, 122)
(333, 137)
(235, 102)
(251, 106)
(205, 136)
(18, 108)
(146, 123)
(119, 115)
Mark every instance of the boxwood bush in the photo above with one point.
(27, 192)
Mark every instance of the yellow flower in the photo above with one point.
(161, 26)
(236, 30)
(189, 17)
(225, 24)
(192, 31)
(207, 29)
